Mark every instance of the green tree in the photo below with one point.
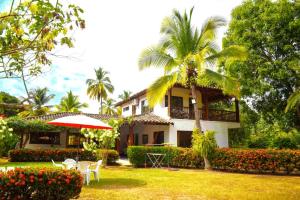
(100, 87)
(270, 31)
(125, 95)
(8, 139)
(38, 98)
(109, 107)
(30, 31)
(7, 103)
(70, 103)
(186, 54)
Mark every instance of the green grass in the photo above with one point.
(130, 183)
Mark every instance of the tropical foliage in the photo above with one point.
(125, 95)
(70, 103)
(270, 31)
(100, 87)
(8, 139)
(5, 100)
(204, 145)
(109, 107)
(102, 139)
(38, 98)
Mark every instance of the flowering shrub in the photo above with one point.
(8, 139)
(37, 183)
(245, 160)
(260, 160)
(45, 155)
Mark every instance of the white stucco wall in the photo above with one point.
(221, 129)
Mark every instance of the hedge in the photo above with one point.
(45, 155)
(34, 183)
(239, 160)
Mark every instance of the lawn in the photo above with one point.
(131, 183)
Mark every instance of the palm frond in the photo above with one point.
(158, 89)
(231, 54)
(227, 84)
(293, 101)
(155, 56)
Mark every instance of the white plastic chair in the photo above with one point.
(57, 165)
(95, 171)
(70, 163)
(83, 168)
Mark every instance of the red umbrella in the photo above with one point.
(80, 121)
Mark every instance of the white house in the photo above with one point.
(172, 120)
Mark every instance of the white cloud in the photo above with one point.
(116, 32)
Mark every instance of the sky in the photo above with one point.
(116, 33)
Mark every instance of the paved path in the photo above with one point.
(123, 161)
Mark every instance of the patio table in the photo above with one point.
(156, 159)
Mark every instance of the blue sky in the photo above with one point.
(116, 33)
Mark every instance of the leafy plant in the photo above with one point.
(8, 139)
(286, 140)
(204, 145)
(102, 139)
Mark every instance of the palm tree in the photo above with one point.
(187, 56)
(109, 107)
(125, 95)
(99, 87)
(70, 103)
(38, 98)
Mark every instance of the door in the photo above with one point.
(158, 137)
(184, 138)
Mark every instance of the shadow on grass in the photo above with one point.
(116, 183)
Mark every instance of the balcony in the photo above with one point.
(211, 115)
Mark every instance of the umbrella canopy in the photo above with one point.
(80, 121)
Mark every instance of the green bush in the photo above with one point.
(48, 184)
(8, 139)
(258, 142)
(46, 155)
(137, 155)
(112, 158)
(284, 141)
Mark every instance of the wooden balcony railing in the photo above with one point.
(212, 115)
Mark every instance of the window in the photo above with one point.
(177, 102)
(145, 139)
(45, 138)
(73, 140)
(166, 101)
(136, 139)
(184, 138)
(125, 108)
(159, 137)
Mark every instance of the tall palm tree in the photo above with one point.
(99, 88)
(125, 95)
(70, 103)
(187, 56)
(109, 107)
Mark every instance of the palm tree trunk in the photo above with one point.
(207, 165)
(101, 105)
(196, 110)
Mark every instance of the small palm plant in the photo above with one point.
(204, 145)
(109, 107)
